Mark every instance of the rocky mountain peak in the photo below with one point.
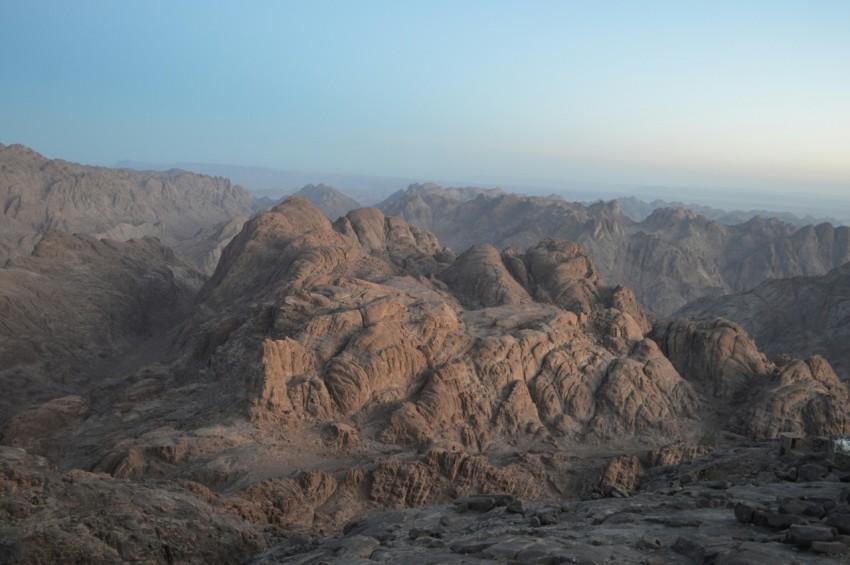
(330, 201)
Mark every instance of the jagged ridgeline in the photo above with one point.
(194, 214)
(329, 369)
(669, 259)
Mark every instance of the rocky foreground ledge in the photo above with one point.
(752, 504)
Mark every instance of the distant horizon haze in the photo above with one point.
(369, 190)
(748, 95)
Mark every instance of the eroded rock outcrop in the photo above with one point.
(800, 316)
(727, 507)
(331, 202)
(54, 517)
(330, 369)
(760, 397)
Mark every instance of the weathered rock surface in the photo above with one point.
(800, 316)
(409, 378)
(352, 336)
(726, 512)
(328, 370)
(669, 259)
(206, 245)
(38, 194)
(759, 398)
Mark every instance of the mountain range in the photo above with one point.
(40, 194)
(332, 366)
(669, 259)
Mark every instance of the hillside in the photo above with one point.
(40, 194)
(330, 370)
(799, 316)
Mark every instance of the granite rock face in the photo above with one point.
(543, 348)
(329, 370)
(331, 202)
(759, 398)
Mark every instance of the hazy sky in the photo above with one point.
(752, 94)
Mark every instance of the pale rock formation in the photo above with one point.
(481, 279)
(330, 369)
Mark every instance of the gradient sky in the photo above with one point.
(751, 94)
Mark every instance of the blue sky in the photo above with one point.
(751, 94)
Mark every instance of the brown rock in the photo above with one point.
(722, 362)
(34, 429)
(480, 279)
(670, 258)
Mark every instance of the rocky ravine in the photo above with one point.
(39, 194)
(76, 312)
(669, 259)
(330, 370)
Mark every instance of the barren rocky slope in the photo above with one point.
(47, 516)
(70, 311)
(800, 316)
(746, 505)
(639, 210)
(329, 370)
(38, 194)
(669, 259)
